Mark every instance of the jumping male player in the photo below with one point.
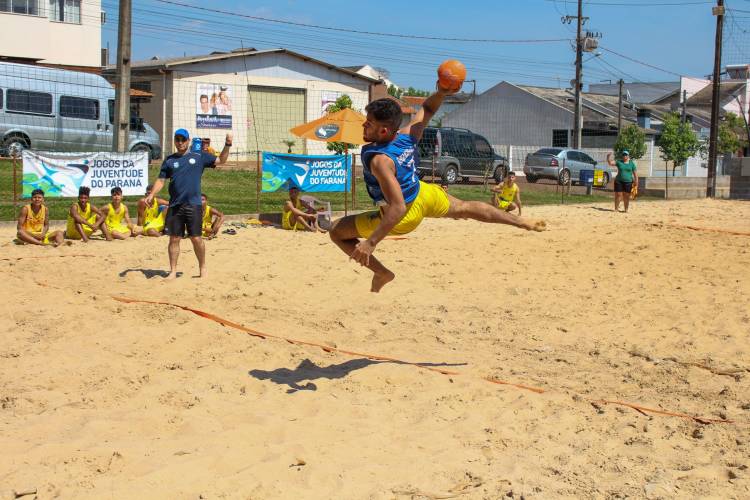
(390, 173)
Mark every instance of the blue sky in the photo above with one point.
(677, 38)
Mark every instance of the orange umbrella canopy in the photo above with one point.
(341, 126)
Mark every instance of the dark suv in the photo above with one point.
(460, 154)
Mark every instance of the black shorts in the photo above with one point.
(623, 187)
(182, 218)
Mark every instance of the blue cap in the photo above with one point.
(181, 131)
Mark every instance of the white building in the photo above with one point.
(258, 95)
(51, 32)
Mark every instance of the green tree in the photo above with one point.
(416, 92)
(342, 102)
(732, 134)
(395, 91)
(632, 139)
(678, 141)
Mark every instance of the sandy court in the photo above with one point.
(100, 399)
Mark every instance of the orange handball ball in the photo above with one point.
(451, 75)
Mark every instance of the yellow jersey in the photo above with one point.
(115, 218)
(34, 222)
(508, 193)
(87, 214)
(151, 212)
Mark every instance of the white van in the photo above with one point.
(58, 110)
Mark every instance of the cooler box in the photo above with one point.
(586, 177)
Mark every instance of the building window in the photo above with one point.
(144, 86)
(65, 11)
(1, 98)
(23, 101)
(28, 7)
(79, 107)
(559, 138)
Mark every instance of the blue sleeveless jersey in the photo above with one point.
(403, 151)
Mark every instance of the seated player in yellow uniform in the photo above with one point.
(151, 219)
(390, 171)
(33, 223)
(83, 218)
(297, 214)
(117, 224)
(506, 195)
(212, 219)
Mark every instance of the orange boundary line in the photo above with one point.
(47, 256)
(709, 230)
(537, 390)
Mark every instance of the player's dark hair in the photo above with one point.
(84, 190)
(511, 173)
(386, 111)
(116, 190)
(36, 192)
(204, 195)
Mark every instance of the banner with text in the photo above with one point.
(61, 174)
(309, 173)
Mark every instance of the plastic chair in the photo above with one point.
(321, 208)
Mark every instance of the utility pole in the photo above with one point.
(717, 11)
(619, 107)
(122, 92)
(578, 114)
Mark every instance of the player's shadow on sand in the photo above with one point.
(148, 273)
(600, 209)
(307, 370)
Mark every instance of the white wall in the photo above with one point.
(53, 42)
(272, 70)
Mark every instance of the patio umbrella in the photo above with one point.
(342, 126)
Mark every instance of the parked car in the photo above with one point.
(563, 165)
(460, 154)
(60, 110)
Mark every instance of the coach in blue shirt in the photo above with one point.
(184, 170)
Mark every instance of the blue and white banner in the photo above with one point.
(314, 174)
(61, 174)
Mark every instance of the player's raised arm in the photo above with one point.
(451, 75)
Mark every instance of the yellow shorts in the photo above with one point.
(286, 222)
(431, 202)
(502, 204)
(74, 235)
(121, 228)
(46, 237)
(156, 224)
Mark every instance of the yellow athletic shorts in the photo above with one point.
(502, 204)
(431, 202)
(74, 235)
(286, 222)
(120, 228)
(46, 237)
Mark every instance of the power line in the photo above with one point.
(638, 4)
(361, 32)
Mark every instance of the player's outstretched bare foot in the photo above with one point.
(203, 272)
(535, 225)
(379, 280)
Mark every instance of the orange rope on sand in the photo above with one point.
(643, 409)
(255, 333)
(47, 256)
(710, 230)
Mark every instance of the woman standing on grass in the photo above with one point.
(626, 176)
